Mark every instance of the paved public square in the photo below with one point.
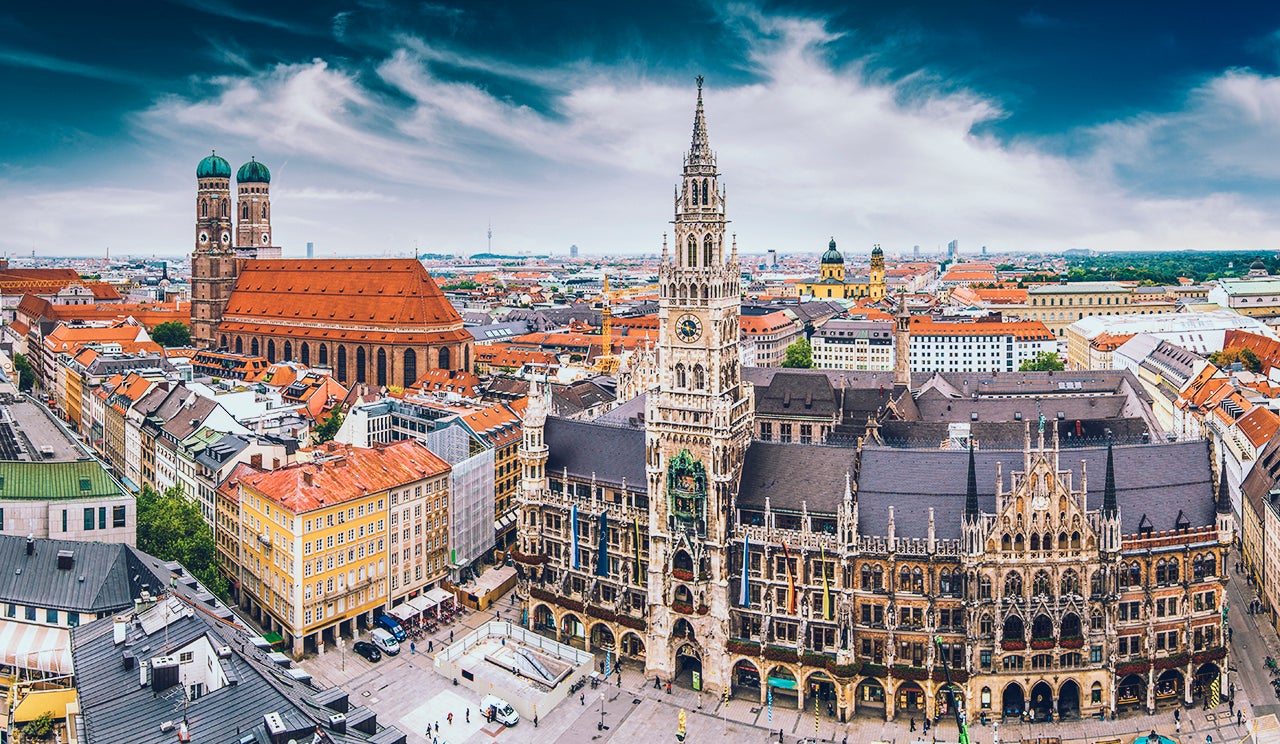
(406, 692)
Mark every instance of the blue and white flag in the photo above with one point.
(573, 535)
(744, 593)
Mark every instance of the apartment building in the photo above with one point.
(1060, 305)
(854, 344)
(977, 346)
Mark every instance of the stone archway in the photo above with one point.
(908, 698)
(869, 696)
(1204, 678)
(1132, 690)
(820, 685)
(1068, 700)
(746, 679)
(1041, 703)
(945, 697)
(602, 637)
(1169, 687)
(688, 666)
(572, 631)
(783, 686)
(633, 645)
(544, 619)
(1013, 701)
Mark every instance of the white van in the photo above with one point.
(500, 710)
(385, 641)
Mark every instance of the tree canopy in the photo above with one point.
(327, 429)
(1248, 360)
(171, 528)
(799, 355)
(1045, 361)
(172, 333)
(26, 376)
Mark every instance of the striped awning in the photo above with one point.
(35, 647)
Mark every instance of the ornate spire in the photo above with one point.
(700, 150)
(971, 496)
(1224, 490)
(1109, 488)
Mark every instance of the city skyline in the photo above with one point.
(390, 129)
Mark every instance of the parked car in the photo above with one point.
(367, 650)
(499, 710)
(394, 628)
(385, 641)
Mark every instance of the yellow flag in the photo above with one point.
(826, 588)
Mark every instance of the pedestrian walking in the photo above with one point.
(1239, 718)
(535, 720)
(449, 718)
(413, 647)
(1177, 727)
(582, 698)
(1208, 739)
(1177, 715)
(913, 723)
(668, 687)
(437, 727)
(655, 682)
(431, 646)
(451, 636)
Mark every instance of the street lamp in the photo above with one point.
(602, 727)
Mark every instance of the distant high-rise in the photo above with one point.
(984, 250)
(311, 250)
(915, 252)
(772, 262)
(573, 251)
(953, 248)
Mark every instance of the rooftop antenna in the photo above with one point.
(489, 249)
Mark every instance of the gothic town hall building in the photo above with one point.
(1048, 580)
(373, 321)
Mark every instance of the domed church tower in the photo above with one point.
(832, 263)
(253, 207)
(213, 263)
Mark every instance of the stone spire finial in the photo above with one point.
(700, 150)
(1224, 490)
(1109, 488)
(971, 495)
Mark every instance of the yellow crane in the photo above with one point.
(607, 362)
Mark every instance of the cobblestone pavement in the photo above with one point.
(406, 692)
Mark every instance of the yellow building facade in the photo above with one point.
(833, 284)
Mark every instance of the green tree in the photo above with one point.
(172, 333)
(1250, 360)
(171, 528)
(40, 727)
(26, 376)
(327, 429)
(799, 355)
(1045, 361)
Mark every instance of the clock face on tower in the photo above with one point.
(204, 237)
(688, 328)
(226, 237)
(265, 238)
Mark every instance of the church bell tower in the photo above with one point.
(698, 426)
(213, 263)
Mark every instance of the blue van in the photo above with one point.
(392, 627)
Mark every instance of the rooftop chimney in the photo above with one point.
(31, 545)
(119, 629)
(66, 559)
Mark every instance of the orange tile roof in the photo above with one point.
(958, 275)
(449, 380)
(1267, 348)
(336, 332)
(148, 314)
(504, 355)
(755, 325)
(229, 489)
(1023, 330)
(639, 321)
(392, 294)
(1110, 341)
(20, 328)
(66, 338)
(1259, 425)
(345, 473)
(497, 425)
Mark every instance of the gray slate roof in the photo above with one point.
(113, 576)
(612, 453)
(794, 476)
(1156, 481)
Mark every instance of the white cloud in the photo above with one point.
(810, 148)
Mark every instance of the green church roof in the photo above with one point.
(213, 167)
(832, 256)
(253, 172)
(55, 481)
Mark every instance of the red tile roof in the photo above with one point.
(755, 325)
(1259, 425)
(393, 296)
(345, 473)
(1026, 330)
(449, 380)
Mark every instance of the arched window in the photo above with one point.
(1070, 583)
(904, 579)
(1162, 573)
(271, 350)
(410, 367)
(944, 581)
(1006, 544)
(704, 192)
(984, 588)
(324, 355)
(695, 191)
(680, 377)
(1096, 587)
(1210, 564)
(1013, 585)
(360, 365)
(708, 250)
(1019, 544)
(239, 345)
(204, 208)
(444, 358)
(306, 354)
(1035, 542)
(1014, 629)
(693, 251)
(341, 367)
(381, 367)
(699, 377)
(264, 211)
(1040, 586)
(1133, 575)
(866, 578)
(253, 347)
(917, 580)
(244, 211)
(288, 352)
(226, 203)
(1075, 540)
(224, 342)
(877, 576)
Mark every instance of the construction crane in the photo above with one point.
(961, 723)
(607, 362)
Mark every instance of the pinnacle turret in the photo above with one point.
(700, 150)
(1109, 488)
(971, 496)
(1224, 490)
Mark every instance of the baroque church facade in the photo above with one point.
(372, 321)
(785, 572)
(833, 284)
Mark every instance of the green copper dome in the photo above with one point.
(877, 251)
(832, 256)
(213, 167)
(253, 172)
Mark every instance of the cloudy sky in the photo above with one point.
(389, 125)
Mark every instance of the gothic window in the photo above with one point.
(1014, 630)
(704, 289)
(1047, 542)
(288, 352)
(324, 355)
(224, 341)
(695, 192)
(1040, 586)
(239, 345)
(253, 347)
(244, 211)
(917, 580)
(1070, 627)
(1096, 588)
(693, 251)
(904, 579)
(1013, 585)
(1075, 540)
(704, 192)
(984, 588)
(1133, 576)
(306, 354)
(1006, 544)
(1035, 543)
(708, 249)
(264, 211)
(341, 368)
(984, 625)
(226, 203)
(1210, 565)
(204, 208)
(1070, 583)
(699, 377)
(410, 367)
(382, 367)
(271, 351)
(1042, 627)
(444, 357)
(1019, 544)
(944, 581)
(360, 365)
(680, 376)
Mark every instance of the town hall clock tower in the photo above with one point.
(698, 426)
